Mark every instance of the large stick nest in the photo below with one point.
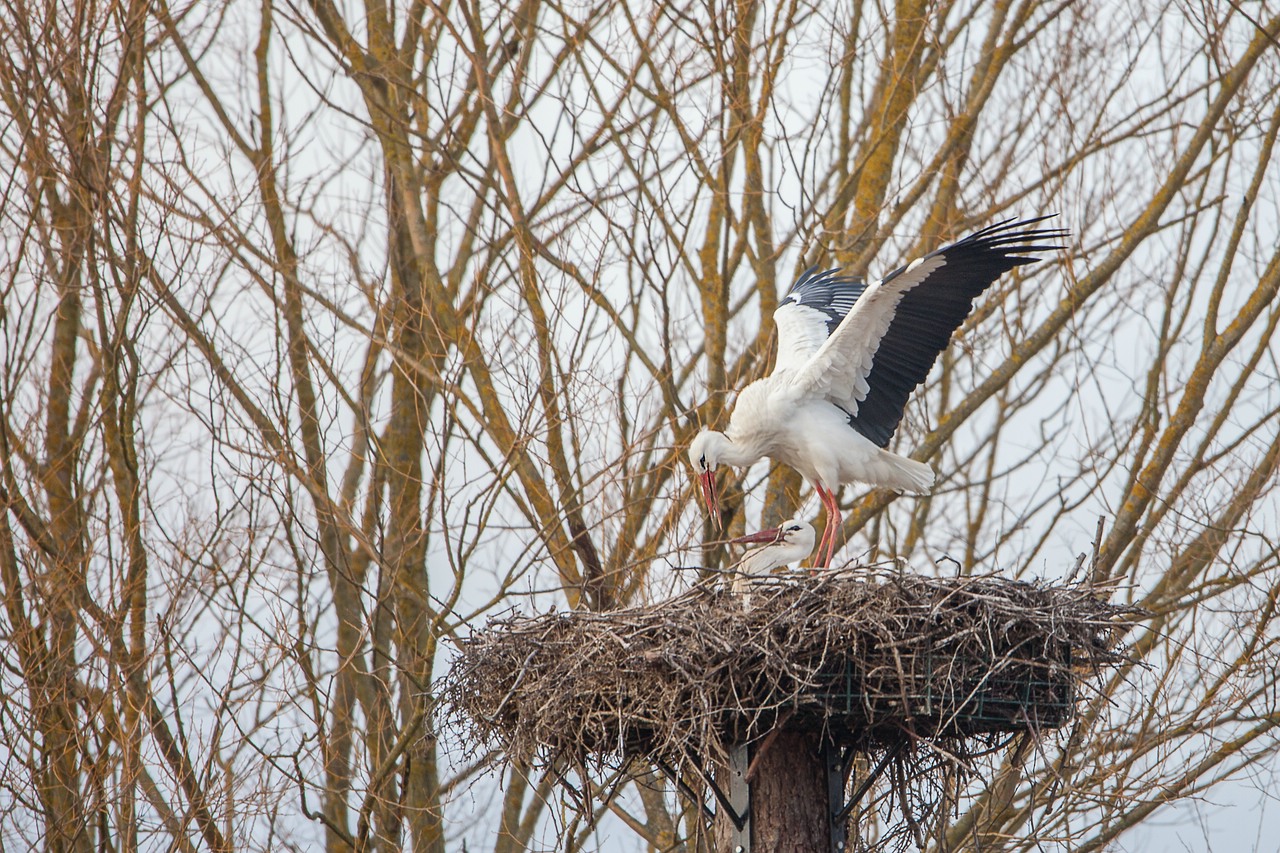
(869, 658)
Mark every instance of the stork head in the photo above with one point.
(785, 544)
(705, 452)
(795, 533)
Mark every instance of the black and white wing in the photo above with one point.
(812, 309)
(887, 344)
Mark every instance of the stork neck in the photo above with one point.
(741, 452)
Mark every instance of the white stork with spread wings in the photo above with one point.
(849, 355)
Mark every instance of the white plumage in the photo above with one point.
(849, 355)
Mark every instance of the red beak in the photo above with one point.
(708, 479)
(768, 536)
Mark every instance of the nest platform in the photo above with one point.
(869, 658)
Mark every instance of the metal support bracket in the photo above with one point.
(739, 800)
(734, 804)
(694, 796)
(837, 765)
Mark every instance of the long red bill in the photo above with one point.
(708, 480)
(770, 535)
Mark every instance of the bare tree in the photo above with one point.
(330, 329)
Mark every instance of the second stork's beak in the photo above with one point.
(766, 536)
(708, 480)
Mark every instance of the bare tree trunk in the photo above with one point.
(296, 336)
(788, 797)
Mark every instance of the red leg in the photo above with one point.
(834, 519)
(826, 549)
(827, 530)
(822, 545)
(822, 541)
(833, 524)
(826, 527)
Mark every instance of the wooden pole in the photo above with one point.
(789, 801)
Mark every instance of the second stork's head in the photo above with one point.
(789, 542)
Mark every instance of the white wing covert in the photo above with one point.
(812, 309)
(887, 344)
(840, 368)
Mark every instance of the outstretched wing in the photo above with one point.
(887, 344)
(812, 309)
